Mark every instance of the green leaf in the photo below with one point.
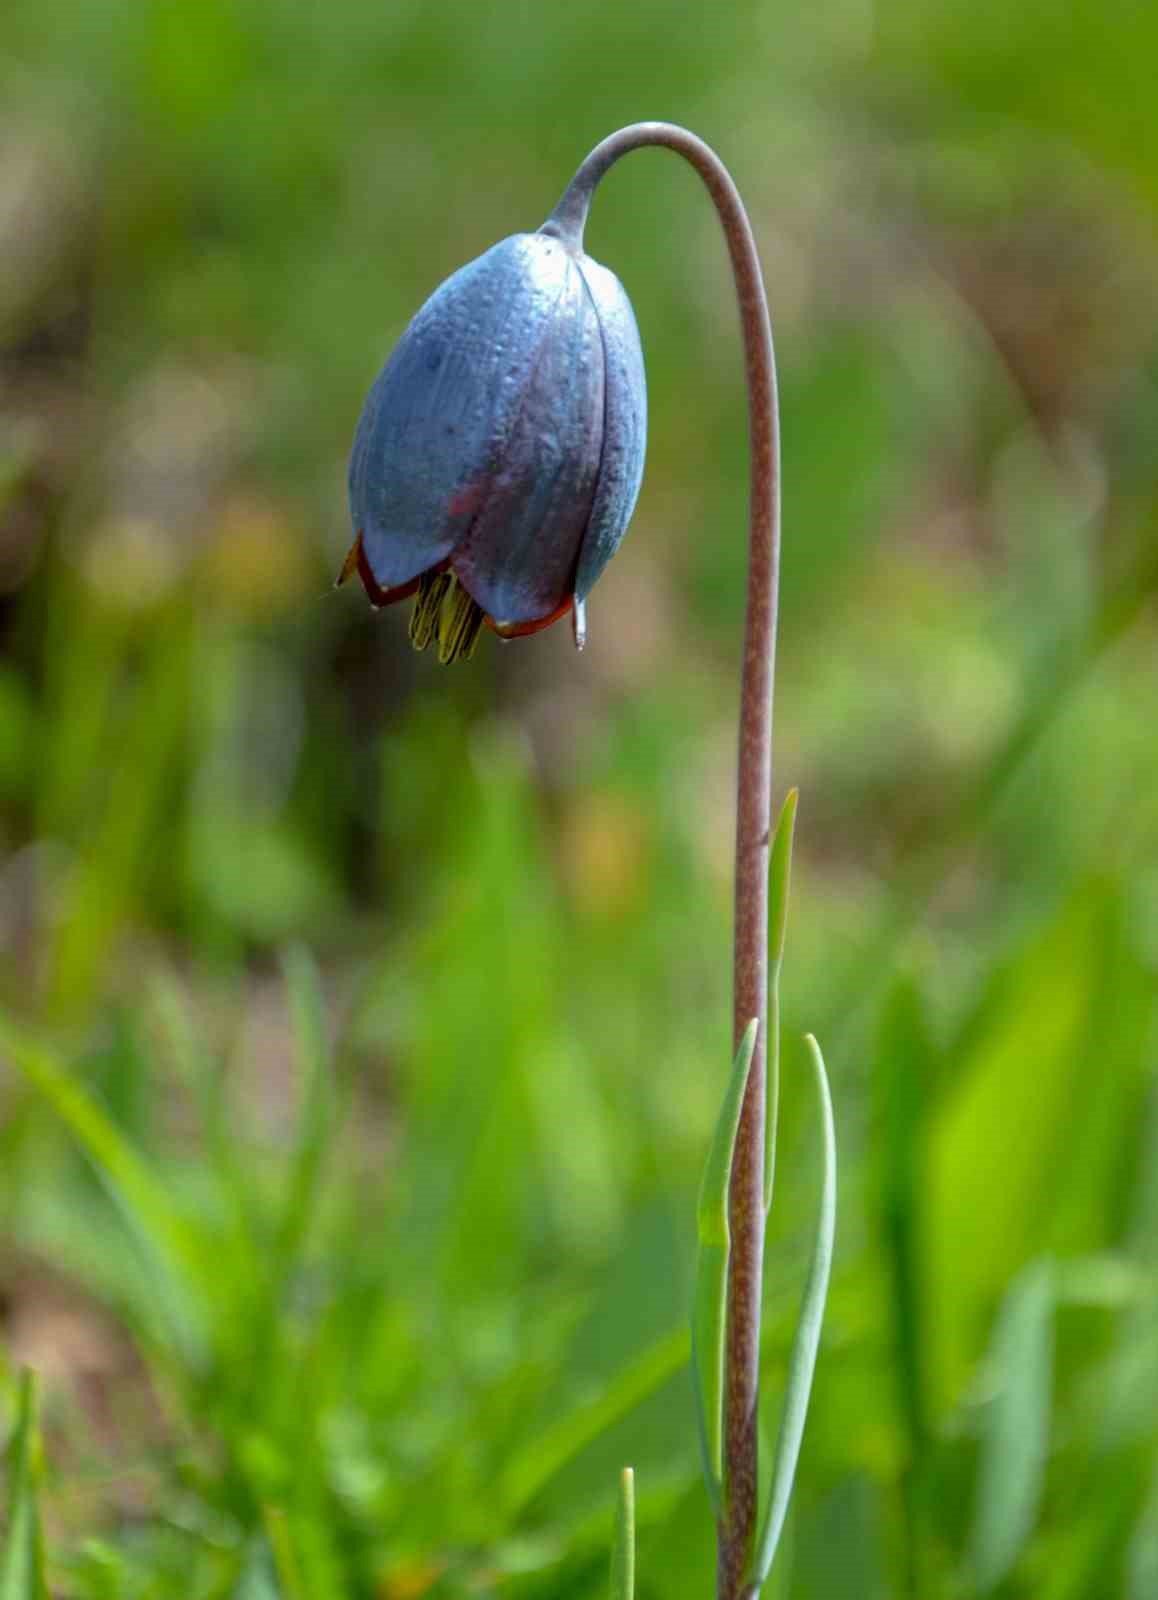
(1016, 1431)
(22, 1555)
(316, 1120)
(779, 879)
(186, 1275)
(802, 1361)
(709, 1308)
(256, 1581)
(548, 1452)
(285, 1556)
(1142, 1553)
(1016, 1112)
(208, 1082)
(904, 1069)
(623, 1545)
(299, 1205)
(904, 1073)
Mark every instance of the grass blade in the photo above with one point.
(779, 880)
(207, 1082)
(22, 1556)
(142, 1199)
(1016, 1436)
(709, 1307)
(802, 1361)
(256, 1580)
(904, 1070)
(901, 1079)
(316, 1118)
(550, 1451)
(285, 1558)
(298, 1205)
(623, 1545)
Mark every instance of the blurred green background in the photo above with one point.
(366, 1021)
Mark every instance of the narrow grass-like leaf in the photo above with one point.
(779, 879)
(551, 1450)
(902, 1076)
(1016, 1433)
(1142, 1552)
(256, 1580)
(709, 1308)
(802, 1361)
(207, 1081)
(900, 1082)
(299, 1202)
(904, 1072)
(141, 740)
(146, 1206)
(307, 1010)
(623, 1543)
(289, 1574)
(22, 1556)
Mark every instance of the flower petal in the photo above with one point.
(624, 426)
(437, 420)
(518, 560)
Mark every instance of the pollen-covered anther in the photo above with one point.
(459, 626)
(433, 588)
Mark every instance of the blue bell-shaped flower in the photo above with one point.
(499, 454)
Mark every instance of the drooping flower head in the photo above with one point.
(500, 451)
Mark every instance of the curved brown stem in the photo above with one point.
(737, 1526)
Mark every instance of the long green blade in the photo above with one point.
(802, 1361)
(550, 1451)
(709, 1308)
(22, 1555)
(316, 1120)
(623, 1545)
(779, 880)
(1015, 1439)
(285, 1558)
(184, 1278)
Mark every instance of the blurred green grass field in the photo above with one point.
(364, 1023)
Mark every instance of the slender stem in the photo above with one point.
(737, 1526)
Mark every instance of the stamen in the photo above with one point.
(459, 626)
(433, 587)
(350, 565)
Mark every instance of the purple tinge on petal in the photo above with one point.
(432, 442)
(625, 424)
(518, 559)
